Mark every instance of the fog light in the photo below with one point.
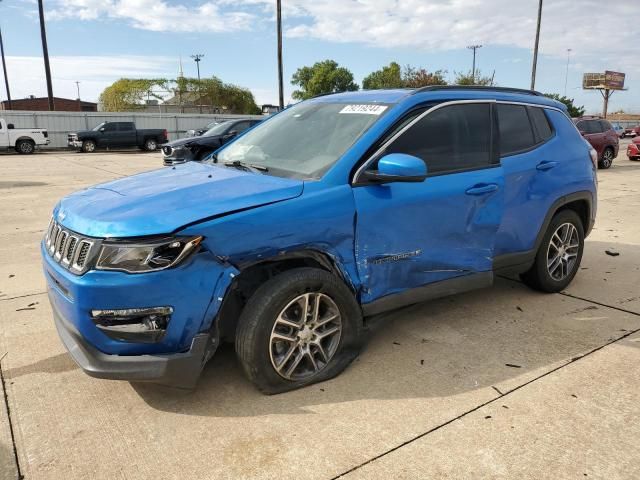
(141, 325)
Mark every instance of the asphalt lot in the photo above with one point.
(499, 383)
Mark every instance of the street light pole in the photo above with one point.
(4, 69)
(196, 58)
(535, 48)
(45, 52)
(566, 74)
(473, 68)
(279, 29)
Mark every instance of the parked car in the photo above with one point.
(199, 131)
(22, 140)
(117, 135)
(633, 149)
(197, 148)
(631, 131)
(619, 129)
(602, 137)
(289, 238)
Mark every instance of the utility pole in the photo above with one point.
(473, 68)
(566, 74)
(196, 58)
(4, 69)
(535, 48)
(279, 29)
(45, 52)
(78, 87)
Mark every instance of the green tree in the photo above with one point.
(387, 77)
(574, 111)
(323, 77)
(393, 76)
(468, 78)
(129, 94)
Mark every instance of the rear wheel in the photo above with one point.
(559, 255)
(301, 327)
(25, 147)
(88, 146)
(150, 144)
(607, 158)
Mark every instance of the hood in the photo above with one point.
(163, 201)
(211, 140)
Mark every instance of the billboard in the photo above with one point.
(609, 80)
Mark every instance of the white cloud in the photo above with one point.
(155, 15)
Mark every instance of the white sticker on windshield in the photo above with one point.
(364, 109)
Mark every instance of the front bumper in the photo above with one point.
(178, 370)
(74, 143)
(633, 150)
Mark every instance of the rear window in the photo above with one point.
(540, 123)
(516, 134)
(604, 125)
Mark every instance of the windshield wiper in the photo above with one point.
(246, 166)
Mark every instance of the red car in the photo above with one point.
(633, 150)
(602, 137)
(631, 131)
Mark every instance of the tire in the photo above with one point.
(25, 147)
(150, 144)
(607, 158)
(268, 316)
(550, 279)
(88, 146)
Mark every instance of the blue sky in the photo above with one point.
(98, 41)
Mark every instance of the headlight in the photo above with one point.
(146, 256)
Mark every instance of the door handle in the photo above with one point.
(543, 166)
(482, 189)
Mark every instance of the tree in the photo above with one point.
(420, 77)
(323, 77)
(387, 77)
(573, 110)
(469, 79)
(392, 76)
(129, 93)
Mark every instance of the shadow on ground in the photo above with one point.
(500, 337)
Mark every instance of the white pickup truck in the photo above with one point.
(23, 140)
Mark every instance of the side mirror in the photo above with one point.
(398, 167)
(11, 126)
(102, 129)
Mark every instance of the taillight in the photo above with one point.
(166, 134)
(45, 134)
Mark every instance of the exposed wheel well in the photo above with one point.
(581, 207)
(253, 276)
(25, 139)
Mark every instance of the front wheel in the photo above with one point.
(150, 144)
(559, 255)
(301, 327)
(607, 158)
(88, 146)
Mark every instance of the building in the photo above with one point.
(33, 103)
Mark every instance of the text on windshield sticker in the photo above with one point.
(364, 109)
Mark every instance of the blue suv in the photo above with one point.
(288, 238)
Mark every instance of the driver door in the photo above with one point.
(427, 239)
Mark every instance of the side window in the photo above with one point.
(540, 123)
(110, 127)
(585, 126)
(126, 126)
(451, 138)
(594, 126)
(604, 125)
(241, 127)
(516, 133)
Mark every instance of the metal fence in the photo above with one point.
(60, 124)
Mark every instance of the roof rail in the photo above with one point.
(432, 88)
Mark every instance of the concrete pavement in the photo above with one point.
(414, 405)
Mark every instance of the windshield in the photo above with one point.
(305, 140)
(98, 127)
(216, 129)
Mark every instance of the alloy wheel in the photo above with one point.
(562, 252)
(305, 336)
